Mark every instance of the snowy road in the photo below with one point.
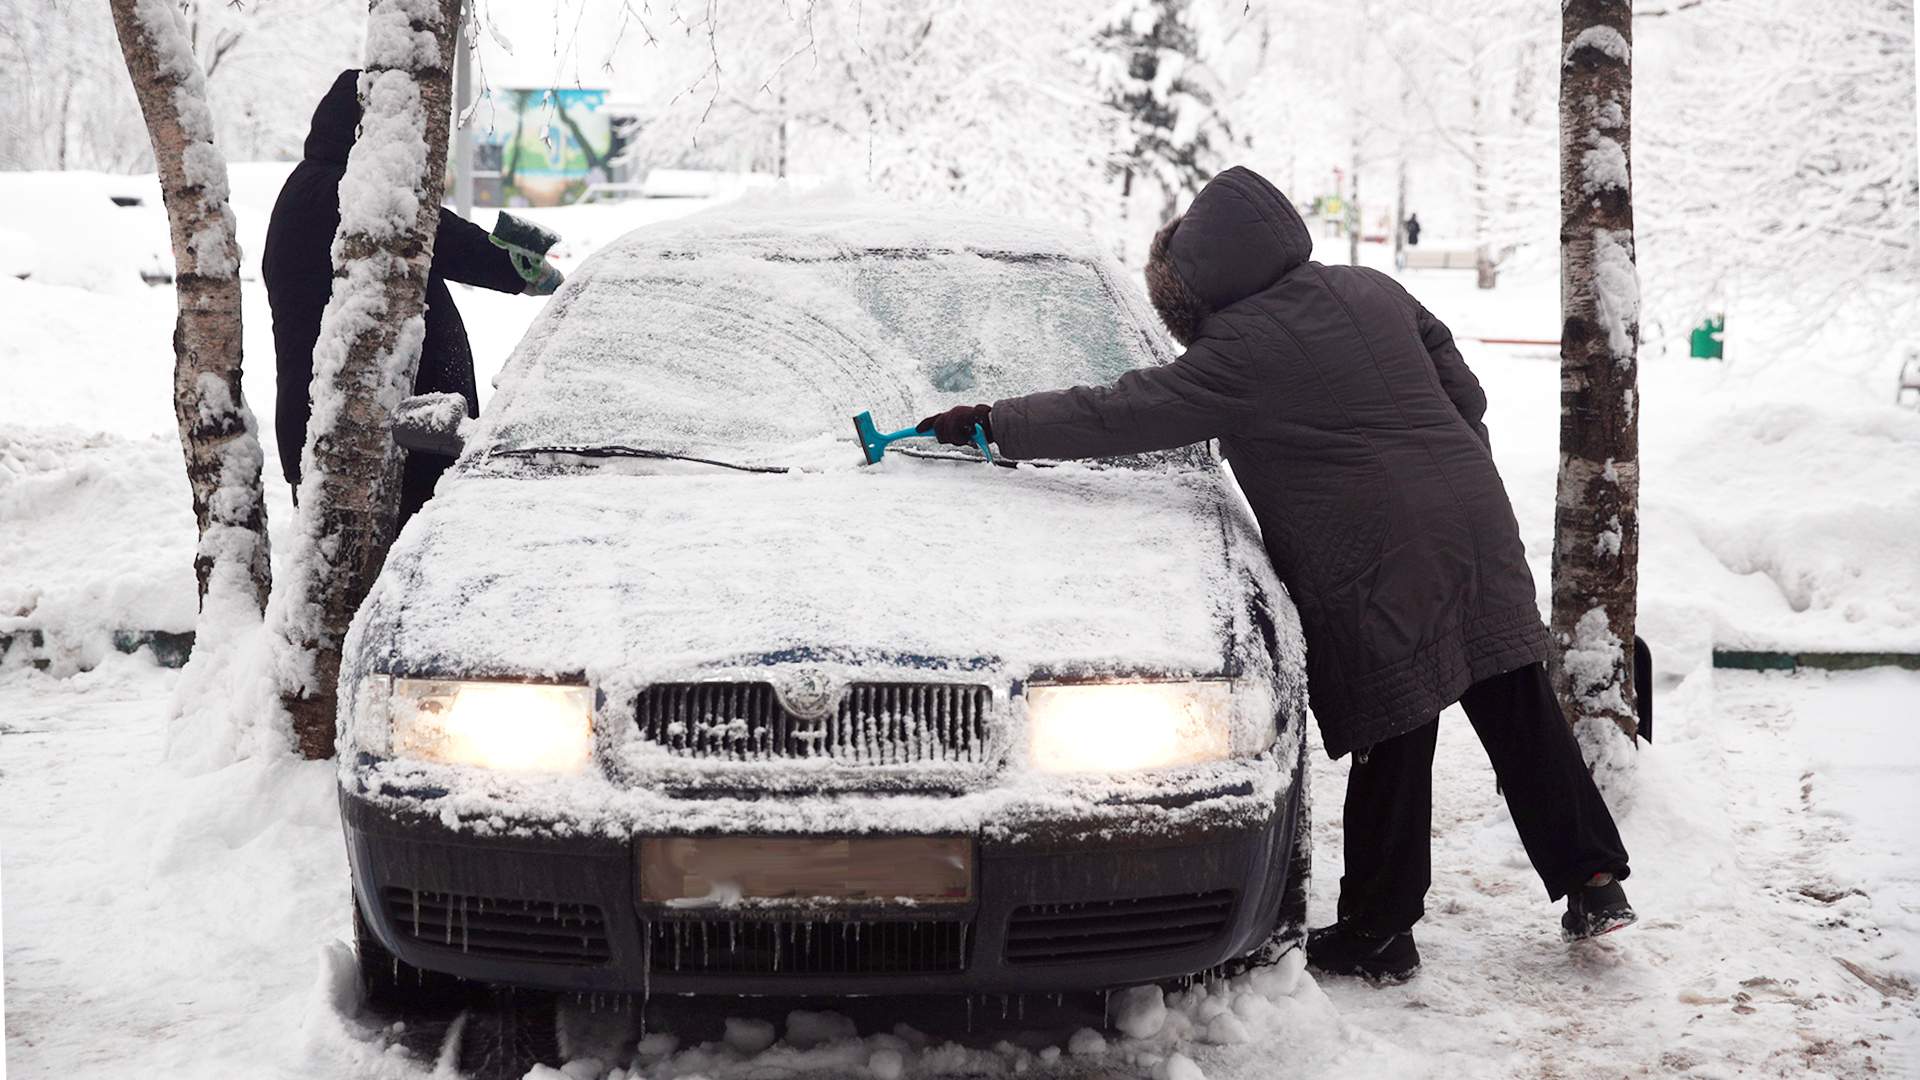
(152, 918)
(1752, 894)
(191, 925)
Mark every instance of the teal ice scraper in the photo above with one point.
(874, 444)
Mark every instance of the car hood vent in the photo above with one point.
(873, 724)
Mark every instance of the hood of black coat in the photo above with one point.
(336, 120)
(1239, 236)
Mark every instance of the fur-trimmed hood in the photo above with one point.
(1239, 236)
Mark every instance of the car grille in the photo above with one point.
(874, 724)
(1111, 929)
(539, 930)
(796, 947)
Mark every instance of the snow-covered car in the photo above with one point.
(668, 691)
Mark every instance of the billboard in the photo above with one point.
(539, 146)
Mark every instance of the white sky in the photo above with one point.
(568, 43)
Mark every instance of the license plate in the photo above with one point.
(715, 871)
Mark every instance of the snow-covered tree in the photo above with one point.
(1477, 70)
(1596, 543)
(65, 90)
(217, 430)
(1148, 66)
(953, 100)
(267, 62)
(1778, 169)
(367, 353)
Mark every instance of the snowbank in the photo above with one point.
(190, 909)
(1796, 526)
(1780, 496)
(78, 237)
(97, 535)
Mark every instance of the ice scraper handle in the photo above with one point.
(980, 440)
(874, 443)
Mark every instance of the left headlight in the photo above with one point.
(517, 727)
(1122, 727)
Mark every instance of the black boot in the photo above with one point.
(1597, 907)
(1341, 950)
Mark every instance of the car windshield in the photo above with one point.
(754, 360)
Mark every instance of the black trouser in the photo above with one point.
(1562, 820)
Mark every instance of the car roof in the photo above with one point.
(777, 226)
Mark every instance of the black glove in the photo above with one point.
(955, 426)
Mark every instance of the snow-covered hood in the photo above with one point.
(630, 579)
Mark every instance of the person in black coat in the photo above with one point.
(1413, 230)
(298, 267)
(1356, 432)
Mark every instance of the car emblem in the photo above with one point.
(809, 695)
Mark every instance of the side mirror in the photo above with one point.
(432, 423)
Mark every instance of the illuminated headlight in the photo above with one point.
(1120, 727)
(517, 727)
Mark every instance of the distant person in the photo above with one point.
(298, 267)
(1354, 429)
(1413, 230)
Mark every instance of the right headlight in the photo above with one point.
(1127, 726)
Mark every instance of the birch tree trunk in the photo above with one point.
(1596, 515)
(1485, 270)
(367, 353)
(217, 431)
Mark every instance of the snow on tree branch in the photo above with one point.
(1791, 190)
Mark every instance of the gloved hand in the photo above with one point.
(550, 279)
(955, 426)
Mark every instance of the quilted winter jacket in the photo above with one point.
(1354, 429)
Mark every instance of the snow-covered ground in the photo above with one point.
(164, 921)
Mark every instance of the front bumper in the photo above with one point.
(1071, 909)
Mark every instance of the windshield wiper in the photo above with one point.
(957, 454)
(633, 452)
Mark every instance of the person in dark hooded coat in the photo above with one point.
(297, 265)
(1355, 431)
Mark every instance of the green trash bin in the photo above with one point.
(1708, 338)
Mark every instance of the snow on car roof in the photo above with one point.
(781, 223)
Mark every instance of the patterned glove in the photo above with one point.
(550, 279)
